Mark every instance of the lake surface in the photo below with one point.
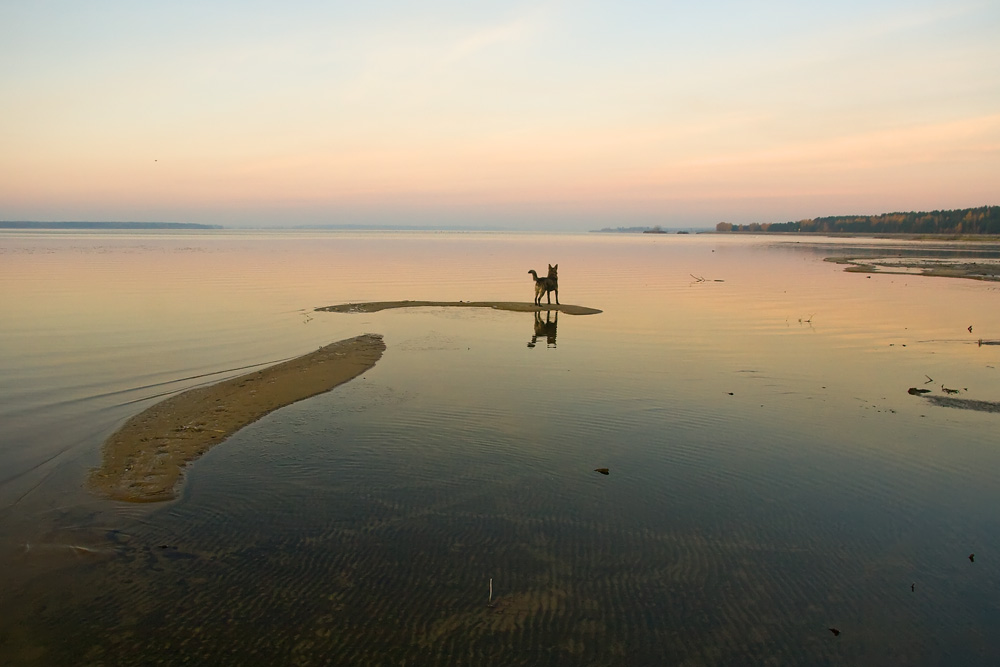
(770, 475)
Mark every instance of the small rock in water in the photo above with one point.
(603, 471)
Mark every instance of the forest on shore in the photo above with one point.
(966, 221)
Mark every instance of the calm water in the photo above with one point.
(770, 476)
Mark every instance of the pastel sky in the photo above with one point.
(557, 114)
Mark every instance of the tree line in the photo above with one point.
(982, 220)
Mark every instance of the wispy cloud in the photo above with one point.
(507, 31)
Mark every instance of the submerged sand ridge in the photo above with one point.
(515, 306)
(934, 267)
(143, 460)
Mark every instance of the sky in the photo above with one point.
(563, 115)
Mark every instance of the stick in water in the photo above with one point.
(490, 601)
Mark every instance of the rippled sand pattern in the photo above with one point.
(401, 577)
(417, 595)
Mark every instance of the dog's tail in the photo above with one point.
(534, 274)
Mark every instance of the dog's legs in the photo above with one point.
(557, 296)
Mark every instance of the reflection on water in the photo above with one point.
(545, 328)
(771, 475)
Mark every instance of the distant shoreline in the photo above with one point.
(30, 224)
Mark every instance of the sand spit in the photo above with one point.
(516, 306)
(971, 270)
(143, 460)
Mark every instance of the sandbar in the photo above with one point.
(516, 306)
(144, 459)
(969, 269)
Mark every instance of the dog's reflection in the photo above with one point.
(546, 327)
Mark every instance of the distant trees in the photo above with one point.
(982, 220)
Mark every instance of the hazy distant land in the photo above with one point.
(981, 221)
(984, 220)
(657, 229)
(31, 224)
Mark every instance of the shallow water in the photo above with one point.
(770, 476)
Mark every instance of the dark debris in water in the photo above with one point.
(950, 401)
(603, 471)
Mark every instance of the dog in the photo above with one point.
(546, 285)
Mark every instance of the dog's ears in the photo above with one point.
(553, 267)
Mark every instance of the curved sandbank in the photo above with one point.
(143, 460)
(516, 306)
(970, 269)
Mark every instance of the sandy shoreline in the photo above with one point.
(515, 306)
(143, 460)
(894, 265)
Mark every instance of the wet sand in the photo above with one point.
(515, 306)
(144, 459)
(943, 269)
(964, 403)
